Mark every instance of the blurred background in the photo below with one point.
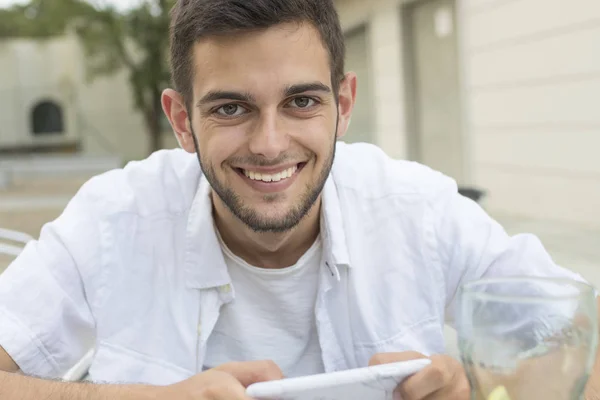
(502, 95)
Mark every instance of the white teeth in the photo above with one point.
(257, 176)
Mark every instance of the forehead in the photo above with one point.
(257, 61)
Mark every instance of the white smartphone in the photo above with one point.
(371, 383)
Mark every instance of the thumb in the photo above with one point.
(388, 358)
(251, 372)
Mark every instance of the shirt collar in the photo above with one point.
(204, 263)
(332, 226)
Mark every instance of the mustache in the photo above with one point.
(260, 161)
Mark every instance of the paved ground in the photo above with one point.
(27, 206)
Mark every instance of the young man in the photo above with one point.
(261, 240)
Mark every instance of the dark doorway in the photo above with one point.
(47, 118)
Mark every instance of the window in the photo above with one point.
(47, 118)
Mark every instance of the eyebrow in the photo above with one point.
(306, 87)
(217, 95)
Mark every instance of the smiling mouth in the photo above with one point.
(271, 177)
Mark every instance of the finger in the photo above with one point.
(430, 380)
(456, 384)
(251, 372)
(388, 358)
(217, 385)
(231, 392)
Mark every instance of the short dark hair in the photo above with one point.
(193, 20)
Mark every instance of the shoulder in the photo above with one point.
(165, 182)
(365, 170)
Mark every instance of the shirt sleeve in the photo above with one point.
(471, 245)
(46, 324)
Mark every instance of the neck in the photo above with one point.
(266, 249)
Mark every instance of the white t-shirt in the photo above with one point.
(272, 316)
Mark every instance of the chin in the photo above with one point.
(272, 215)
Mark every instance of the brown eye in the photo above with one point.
(302, 102)
(231, 110)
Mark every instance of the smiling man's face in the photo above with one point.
(265, 119)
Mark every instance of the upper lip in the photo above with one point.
(269, 170)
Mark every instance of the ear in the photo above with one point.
(346, 100)
(174, 107)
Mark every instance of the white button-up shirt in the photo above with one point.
(135, 263)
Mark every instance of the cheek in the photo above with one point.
(218, 143)
(317, 136)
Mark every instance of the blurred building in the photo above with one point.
(47, 103)
(500, 94)
(503, 94)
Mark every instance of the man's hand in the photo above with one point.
(226, 382)
(443, 379)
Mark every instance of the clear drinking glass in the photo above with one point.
(527, 338)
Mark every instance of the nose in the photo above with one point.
(269, 138)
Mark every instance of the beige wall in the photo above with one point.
(30, 72)
(382, 20)
(9, 103)
(534, 104)
(111, 122)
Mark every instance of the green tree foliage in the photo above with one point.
(135, 40)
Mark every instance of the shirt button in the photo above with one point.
(225, 288)
(199, 329)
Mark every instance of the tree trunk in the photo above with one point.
(155, 137)
(153, 118)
